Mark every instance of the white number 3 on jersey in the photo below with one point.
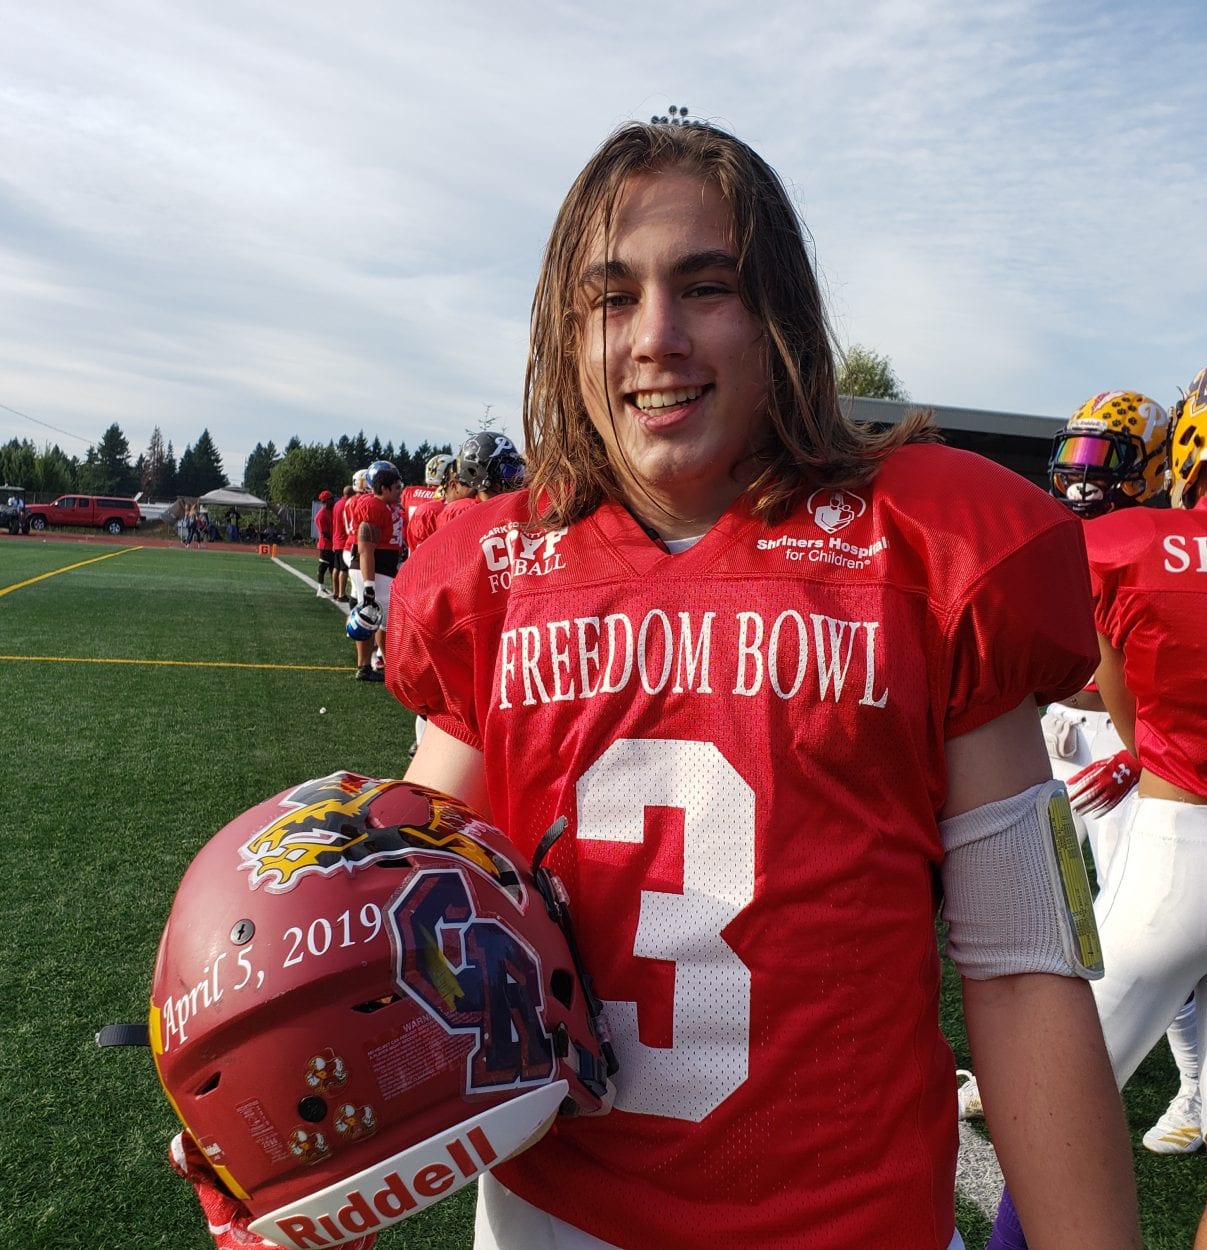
(710, 1055)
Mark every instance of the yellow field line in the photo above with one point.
(77, 659)
(7, 590)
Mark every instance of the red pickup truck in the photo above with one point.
(85, 511)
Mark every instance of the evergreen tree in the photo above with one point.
(417, 465)
(158, 472)
(359, 452)
(293, 444)
(55, 473)
(200, 468)
(186, 474)
(168, 488)
(17, 463)
(107, 469)
(258, 468)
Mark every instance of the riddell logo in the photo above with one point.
(834, 510)
(354, 1212)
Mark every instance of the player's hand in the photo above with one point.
(226, 1217)
(370, 595)
(1104, 784)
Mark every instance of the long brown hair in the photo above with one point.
(814, 444)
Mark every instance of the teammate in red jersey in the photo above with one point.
(324, 523)
(1149, 573)
(487, 465)
(379, 551)
(339, 576)
(416, 497)
(780, 674)
(421, 523)
(1111, 455)
(360, 488)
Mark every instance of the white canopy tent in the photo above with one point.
(231, 497)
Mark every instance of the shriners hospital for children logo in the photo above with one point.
(834, 510)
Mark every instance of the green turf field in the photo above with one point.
(150, 695)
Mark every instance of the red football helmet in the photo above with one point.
(365, 997)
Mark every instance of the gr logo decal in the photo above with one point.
(329, 828)
(474, 976)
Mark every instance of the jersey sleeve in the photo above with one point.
(1025, 625)
(1114, 544)
(443, 631)
(436, 681)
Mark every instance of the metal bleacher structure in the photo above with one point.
(1014, 439)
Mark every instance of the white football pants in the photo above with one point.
(1152, 918)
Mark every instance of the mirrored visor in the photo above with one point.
(1094, 451)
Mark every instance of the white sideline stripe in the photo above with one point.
(978, 1177)
(343, 607)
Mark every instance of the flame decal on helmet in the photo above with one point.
(327, 831)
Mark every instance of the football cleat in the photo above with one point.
(968, 1097)
(1180, 1130)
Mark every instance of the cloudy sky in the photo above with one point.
(302, 217)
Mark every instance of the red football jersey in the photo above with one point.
(413, 497)
(1149, 572)
(323, 519)
(386, 520)
(352, 507)
(457, 507)
(422, 522)
(339, 535)
(748, 741)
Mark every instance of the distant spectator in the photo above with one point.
(232, 526)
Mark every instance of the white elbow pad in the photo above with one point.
(1015, 891)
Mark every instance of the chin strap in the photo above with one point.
(124, 1035)
(593, 1073)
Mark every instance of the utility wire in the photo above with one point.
(46, 424)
